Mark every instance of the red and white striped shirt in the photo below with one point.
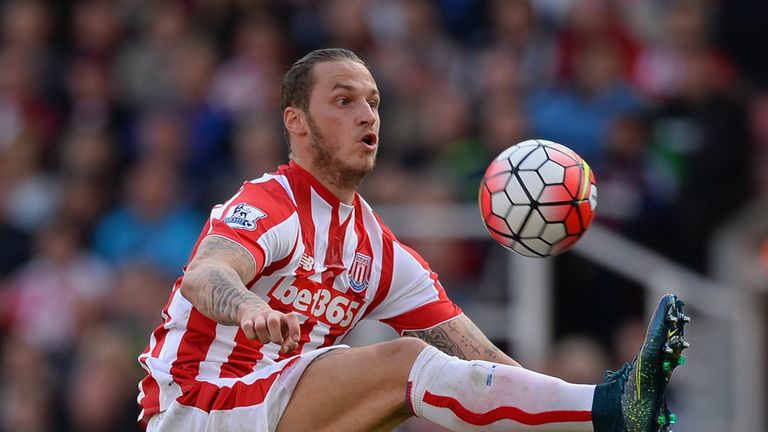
(331, 263)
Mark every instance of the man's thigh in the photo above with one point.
(254, 402)
(356, 389)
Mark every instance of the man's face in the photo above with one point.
(343, 119)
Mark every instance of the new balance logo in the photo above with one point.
(307, 263)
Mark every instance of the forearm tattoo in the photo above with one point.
(218, 290)
(225, 295)
(460, 338)
(438, 338)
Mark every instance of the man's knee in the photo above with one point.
(400, 351)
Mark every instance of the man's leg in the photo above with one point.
(366, 388)
(355, 389)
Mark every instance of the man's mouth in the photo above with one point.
(370, 140)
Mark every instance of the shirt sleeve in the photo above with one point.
(415, 300)
(261, 218)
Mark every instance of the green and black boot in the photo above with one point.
(639, 390)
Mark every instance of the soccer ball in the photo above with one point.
(537, 198)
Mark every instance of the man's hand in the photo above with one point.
(214, 284)
(261, 322)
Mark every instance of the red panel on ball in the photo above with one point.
(485, 202)
(561, 158)
(555, 213)
(564, 244)
(586, 213)
(573, 180)
(573, 223)
(496, 183)
(498, 224)
(497, 167)
(553, 148)
(504, 241)
(555, 193)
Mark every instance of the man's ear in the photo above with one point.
(295, 121)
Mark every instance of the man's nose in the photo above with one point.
(366, 115)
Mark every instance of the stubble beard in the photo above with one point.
(331, 167)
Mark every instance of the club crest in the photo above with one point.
(243, 216)
(360, 272)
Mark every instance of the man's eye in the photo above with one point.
(342, 101)
(373, 103)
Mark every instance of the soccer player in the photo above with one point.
(286, 267)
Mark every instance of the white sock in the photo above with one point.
(477, 395)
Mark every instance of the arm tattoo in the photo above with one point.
(236, 255)
(227, 293)
(460, 338)
(438, 338)
(217, 288)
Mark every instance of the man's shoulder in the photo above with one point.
(269, 194)
(275, 184)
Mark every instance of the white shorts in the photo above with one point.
(255, 402)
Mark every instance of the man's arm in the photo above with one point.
(461, 338)
(215, 284)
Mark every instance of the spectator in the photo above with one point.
(92, 105)
(58, 293)
(144, 68)
(578, 359)
(758, 127)
(96, 28)
(520, 56)
(243, 83)
(660, 69)
(589, 23)
(579, 115)
(27, 389)
(695, 133)
(101, 394)
(636, 191)
(154, 225)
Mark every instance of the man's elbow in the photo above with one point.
(190, 281)
(187, 289)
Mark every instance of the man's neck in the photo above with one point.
(344, 194)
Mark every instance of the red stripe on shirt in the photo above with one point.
(363, 240)
(194, 346)
(387, 266)
(332, 261)
(302, 192)
(151, 400)
(243, 357)
(505, 413)
(208, 396)
(433, 313)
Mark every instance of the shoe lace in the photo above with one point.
(621, 374)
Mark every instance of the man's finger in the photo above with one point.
(288, 346)
(262, 332)
(294, 329)
(247, 327)
(273, 324)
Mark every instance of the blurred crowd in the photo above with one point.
(123, 121)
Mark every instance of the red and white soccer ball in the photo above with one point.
(537, 198)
